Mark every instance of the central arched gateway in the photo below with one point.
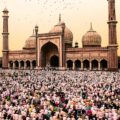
(49, 55)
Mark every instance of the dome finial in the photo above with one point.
(5, 10)
(91, 28)
(33, 32)
(5, 3)
(59, 18)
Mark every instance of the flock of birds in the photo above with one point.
(54, 7)
(63, 4)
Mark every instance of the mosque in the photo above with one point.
(55, 48)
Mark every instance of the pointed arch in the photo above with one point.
(54, 61)
(22, 64)
(103, 64)
(28, 64)
(70, 64)
(94, 64)
(16, 64)
(47, 51)
(118, 65)
(34, 64)
(77, 64)
(86, 64)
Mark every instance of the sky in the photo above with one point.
(77, 14)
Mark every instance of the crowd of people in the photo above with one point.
(59, 95)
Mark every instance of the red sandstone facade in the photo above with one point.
(55, 48)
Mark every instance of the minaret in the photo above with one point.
(113, 60)
(112, 22)
(59, 18)
(63, 46)
(5, 39)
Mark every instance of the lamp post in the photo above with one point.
(36, 33)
